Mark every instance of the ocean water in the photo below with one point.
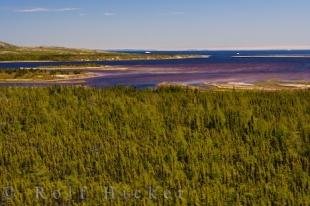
(219, 67)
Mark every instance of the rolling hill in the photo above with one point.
(9, 52)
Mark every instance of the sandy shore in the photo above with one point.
(81, 68)
(88, 73)
(240, 86)
(57, 78)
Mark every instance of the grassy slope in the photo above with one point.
(14, 53)
(35, 74)
(221, 148)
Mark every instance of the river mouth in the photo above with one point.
(219, 69)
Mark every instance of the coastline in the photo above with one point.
(258, 86)
(58, 79)
(198, 73)
(83, 68)
(175, 57)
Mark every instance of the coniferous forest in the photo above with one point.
(169, 146)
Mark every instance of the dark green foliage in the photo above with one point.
(220, 148)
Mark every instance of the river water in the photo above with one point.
(219, 67)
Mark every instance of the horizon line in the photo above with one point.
(257, 48)
(214, 49)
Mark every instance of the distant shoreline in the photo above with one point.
(274, 56)
(110, 60)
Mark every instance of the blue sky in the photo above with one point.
(157, 24)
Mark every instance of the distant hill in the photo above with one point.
(9, 52)
(4, 45)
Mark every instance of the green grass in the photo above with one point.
(220, 148)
